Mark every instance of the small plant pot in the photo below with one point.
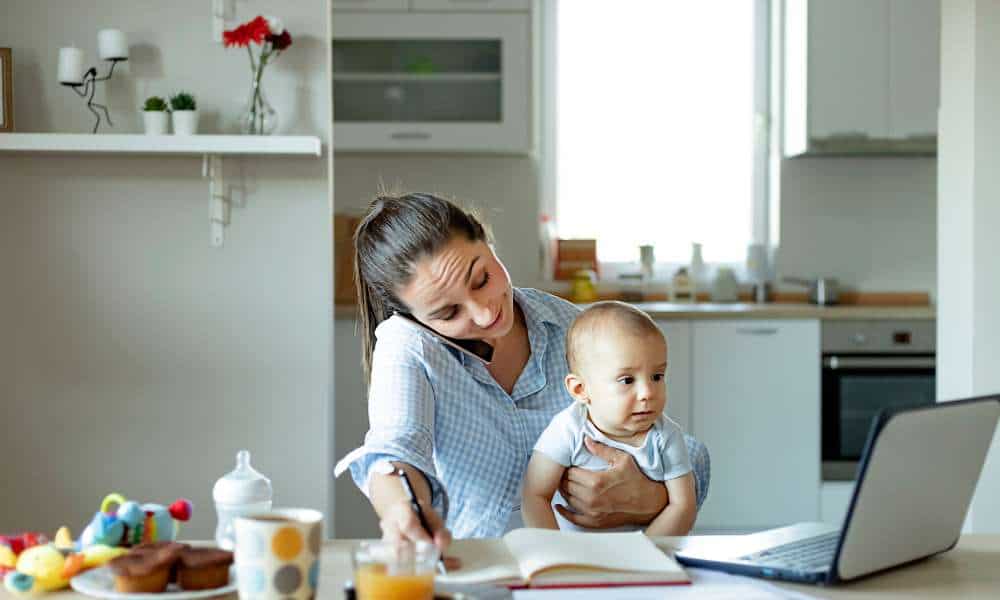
(156, 122)
(185, 122)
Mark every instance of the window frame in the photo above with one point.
(767, 81)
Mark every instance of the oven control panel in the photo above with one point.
(880, 337)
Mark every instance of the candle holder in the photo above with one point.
(87, 88)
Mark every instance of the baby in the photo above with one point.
(617, 360)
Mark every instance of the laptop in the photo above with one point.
(915, 481)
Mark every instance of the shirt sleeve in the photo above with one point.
(558, 441)
(400, 414)
(676, 462)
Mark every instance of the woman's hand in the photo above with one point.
(400, 522)
(620, 495)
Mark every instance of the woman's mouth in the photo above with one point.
(642, 414)
(496, 320)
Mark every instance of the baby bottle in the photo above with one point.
(242, 491)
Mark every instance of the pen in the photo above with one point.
(420, 513)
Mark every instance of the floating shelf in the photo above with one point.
(422, 77)
(194, 145)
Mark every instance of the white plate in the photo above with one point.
(100, 583)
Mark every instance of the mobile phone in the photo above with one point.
(477, 349)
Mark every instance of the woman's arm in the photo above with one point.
(678, 517)
(540, 483)
(620, 495)
(397, 518)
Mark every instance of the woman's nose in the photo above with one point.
(483, 315)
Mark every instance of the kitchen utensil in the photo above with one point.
(822, 290)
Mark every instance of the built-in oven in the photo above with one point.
(869, 366)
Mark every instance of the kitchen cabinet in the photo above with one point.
(432, 82)
(432, 5)
(756, 386)
(352, 515)
(678, 334)
(861, 76)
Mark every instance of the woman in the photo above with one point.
(463, 430)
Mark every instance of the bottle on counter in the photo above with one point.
(681, 287)
(698, 271)
(242, 491)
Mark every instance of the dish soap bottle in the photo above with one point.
(242, 491)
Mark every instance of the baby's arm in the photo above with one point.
(540, 483)
(678, 516)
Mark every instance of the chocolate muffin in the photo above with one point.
(141, 572)
(164, 549)
(203, 568)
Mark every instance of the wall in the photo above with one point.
(870, 222)
(968, 217)
(135, 357)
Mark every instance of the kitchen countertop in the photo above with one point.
(740, 310)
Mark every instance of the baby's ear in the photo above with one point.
(576, 388)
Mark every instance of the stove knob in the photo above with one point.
(859, 339)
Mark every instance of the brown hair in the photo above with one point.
(395, 233)
(599, 315)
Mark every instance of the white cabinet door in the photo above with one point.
(757, 408)
(914, 67)
(397, 87)
(473, 5)
(678, 335)
(848, 67)
(353, 516)
(371, 5)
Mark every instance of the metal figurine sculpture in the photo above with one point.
(87, 88)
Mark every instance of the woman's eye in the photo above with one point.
(658, 377)
(449, 316)
(627, 380)
(485, 280)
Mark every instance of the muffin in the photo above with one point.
(141, 572)
(203, 568)
(164, 549)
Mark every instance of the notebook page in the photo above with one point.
(483, 560)
(538, 549)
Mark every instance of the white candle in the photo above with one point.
(70, 65)
(111, 44)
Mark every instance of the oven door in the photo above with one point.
(855, 389)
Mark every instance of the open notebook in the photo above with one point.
(543, 558)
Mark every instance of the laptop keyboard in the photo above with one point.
(810, 554)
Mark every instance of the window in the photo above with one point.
(651, 131)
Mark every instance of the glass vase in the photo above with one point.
(259, 117)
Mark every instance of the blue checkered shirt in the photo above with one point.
(442, 412)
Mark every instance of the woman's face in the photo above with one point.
(463, 291)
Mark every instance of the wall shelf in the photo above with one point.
(211, 149)
(193, 145)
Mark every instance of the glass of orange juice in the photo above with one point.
(395, 570)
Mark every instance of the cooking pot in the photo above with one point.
(822, 290)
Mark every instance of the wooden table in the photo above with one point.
(971, 570)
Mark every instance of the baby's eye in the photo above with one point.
(627, 380)
(658, 377)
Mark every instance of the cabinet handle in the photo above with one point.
(757, 330)
(411, 135)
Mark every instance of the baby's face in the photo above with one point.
(625, 382)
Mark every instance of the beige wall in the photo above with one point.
(135, 357)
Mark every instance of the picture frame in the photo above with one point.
(6, 90)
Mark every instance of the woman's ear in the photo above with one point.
(577, 388)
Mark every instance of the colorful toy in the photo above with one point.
(131, 524)
(29, 564)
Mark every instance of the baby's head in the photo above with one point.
(618, 361)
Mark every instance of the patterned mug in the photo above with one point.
(277, 554)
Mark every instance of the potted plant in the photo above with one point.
(155, 116)
(185, 113)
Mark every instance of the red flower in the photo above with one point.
(255, 31)
(280, 42)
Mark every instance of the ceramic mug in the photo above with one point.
(277, 554)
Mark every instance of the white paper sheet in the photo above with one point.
(705, 585)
